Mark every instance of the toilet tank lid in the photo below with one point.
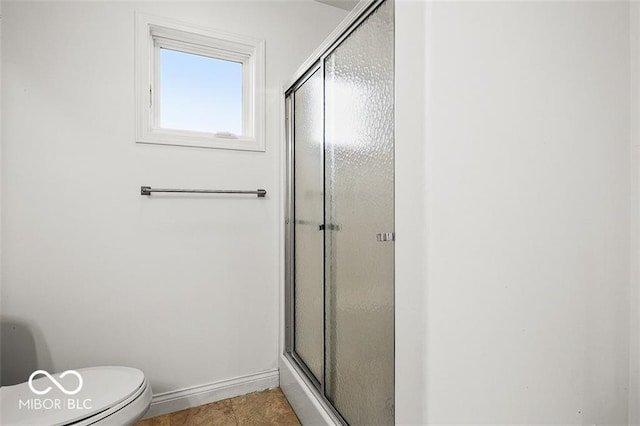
(68, 396)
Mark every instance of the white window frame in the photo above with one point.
(153, 33)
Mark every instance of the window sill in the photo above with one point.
(199, 140)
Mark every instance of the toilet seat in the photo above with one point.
(108, 396)
(125, 413)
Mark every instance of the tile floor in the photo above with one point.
(269, 407)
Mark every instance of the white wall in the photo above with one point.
(185, 288)
(521, 232)
(634, 335)
(0, 191)
(410, 212)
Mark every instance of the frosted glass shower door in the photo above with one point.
(308, 218)
(359, 249)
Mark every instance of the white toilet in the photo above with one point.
(114, 396)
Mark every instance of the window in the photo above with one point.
(198, 87)
(200, 93)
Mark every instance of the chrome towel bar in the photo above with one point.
(147, 190)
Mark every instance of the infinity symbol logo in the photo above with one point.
(55, 382)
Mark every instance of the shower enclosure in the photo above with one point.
(340, 223)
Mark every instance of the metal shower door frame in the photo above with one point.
(316, 62)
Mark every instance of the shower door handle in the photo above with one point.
(386, 236)
(329, 227)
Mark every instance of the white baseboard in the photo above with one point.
(169, 402)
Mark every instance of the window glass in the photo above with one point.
(200, 93)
